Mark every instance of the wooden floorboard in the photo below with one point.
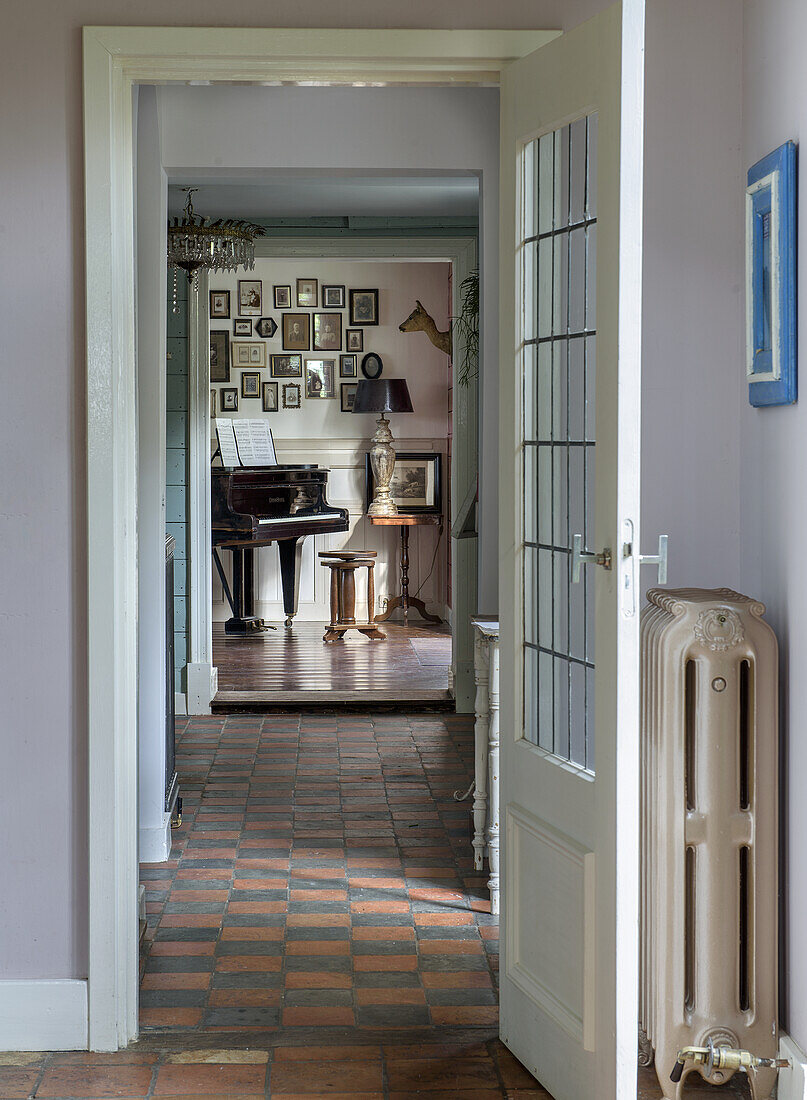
(295, 666)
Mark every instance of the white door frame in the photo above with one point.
(116, 59)
(462, 253)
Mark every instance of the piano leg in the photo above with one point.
(242, 601)
(291, 552)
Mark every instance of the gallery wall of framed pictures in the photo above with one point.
(291, 339)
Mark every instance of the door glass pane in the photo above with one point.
(558, 246)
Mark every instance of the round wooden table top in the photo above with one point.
(408, 519)
(348, 555)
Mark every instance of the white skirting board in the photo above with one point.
(155, 843)
(792, 1083)
(180, 703)
(43, 1015)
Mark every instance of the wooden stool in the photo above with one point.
(343, 566)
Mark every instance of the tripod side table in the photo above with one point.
(405, 601)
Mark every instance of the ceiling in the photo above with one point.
(289, 194)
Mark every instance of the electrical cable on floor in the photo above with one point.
(434, 559)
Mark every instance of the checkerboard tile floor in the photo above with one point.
(322, 877)
(318, 931)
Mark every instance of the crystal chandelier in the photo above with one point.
(195, 241)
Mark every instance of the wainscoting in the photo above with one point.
(345, 458)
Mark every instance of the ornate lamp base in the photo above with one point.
(382, 463)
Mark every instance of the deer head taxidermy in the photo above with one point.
(420, 321)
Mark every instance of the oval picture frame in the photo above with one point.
(372, 365)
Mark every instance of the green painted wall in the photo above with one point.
(176, 465)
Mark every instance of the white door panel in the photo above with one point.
(570, 292)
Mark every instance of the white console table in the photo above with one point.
(486, 761)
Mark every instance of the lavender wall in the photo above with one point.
(773, 458)
(42, 508)
(43, 802)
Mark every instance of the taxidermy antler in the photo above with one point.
(420, 321)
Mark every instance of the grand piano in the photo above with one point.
(254, 506)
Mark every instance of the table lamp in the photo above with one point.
(382, 395)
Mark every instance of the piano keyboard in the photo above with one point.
(296, 519)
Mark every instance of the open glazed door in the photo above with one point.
(571, 175)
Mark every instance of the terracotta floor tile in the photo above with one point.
(183, 980)
(324, 1077)
(444, 1075)
(446, 919)
(260, 884)
(318, 920)
(109, 1080)
(17, 1082)
(210, 1080)
(191, 920)
(314, 979)
(465, 1016)
(379, 907)
(170, 1017)
(317, 895)
(244, 933)
(241, 963)
(344, 1051)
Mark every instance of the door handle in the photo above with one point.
(581, 557)
(659, 559)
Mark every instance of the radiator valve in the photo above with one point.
(727, 1059)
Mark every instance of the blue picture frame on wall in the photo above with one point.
(770, 288)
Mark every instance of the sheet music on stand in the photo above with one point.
(245, 442)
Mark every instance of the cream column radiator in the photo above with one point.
(709, 831)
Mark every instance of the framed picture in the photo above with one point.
(307, 293)
(212, 404)
(266, 327)
(249, 353)
(296, 331)
(416, 482)
(348, 394)
(219, 303)
(250, 383)
(219, 355)
(327, 331)
(286, 366)
(228, 400)
(363, 307)
(770, 279)
(348, 366)
(355, 339)
(250, 297)
(372, 365)
(242, 328)
(320, 378)
(270, 397)
(333, 297)
(282, 297)
(291, 396)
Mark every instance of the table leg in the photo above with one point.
(481, 709)
(406, 601)
(493, 756)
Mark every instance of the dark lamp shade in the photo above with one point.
(378, 395)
